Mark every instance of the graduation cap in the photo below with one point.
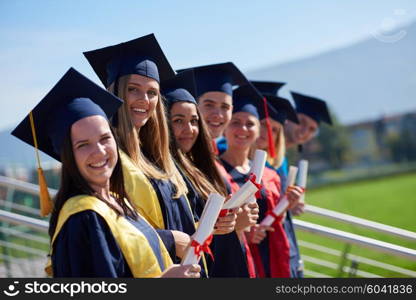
(74, 97)
(268, 87)
(141, 56)
(247, 99)
(180, 88)
(312, 107)
(217, 78)
(280, 109)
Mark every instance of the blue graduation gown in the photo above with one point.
(229, 259)
(176, 211)
(86, 247)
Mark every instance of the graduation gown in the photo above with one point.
(141, 192)
(271, 256)
(296, 268)
(153, 198)
(92, 241)
(229, 257)
(177, 212)
(225, 170)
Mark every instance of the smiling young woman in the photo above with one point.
(190, 143)
(94, 230)
(191, 146)
(133, 71)
(184, 119)
(268, 245)
(141, 98)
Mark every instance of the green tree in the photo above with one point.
(335, 143)
(402, 146)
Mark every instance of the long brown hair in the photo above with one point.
(199, 163)
(148, 147)
(73, 184)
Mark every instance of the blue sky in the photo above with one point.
(40, 40)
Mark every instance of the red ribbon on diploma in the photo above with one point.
(252, 177)
(223, 212)
(198, 248)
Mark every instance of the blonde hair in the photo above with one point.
(253, 147)
(149, 146)
(280, 149)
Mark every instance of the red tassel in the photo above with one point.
(272, 151)
(215, 148)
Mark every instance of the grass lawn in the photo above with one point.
(391, 201)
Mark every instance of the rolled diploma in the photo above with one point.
(259, 163)
(303, 173)
(240, 197)
(206, 226)
(284, 203)
(302, 177)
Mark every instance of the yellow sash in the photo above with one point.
(141, 192)
(133, 244)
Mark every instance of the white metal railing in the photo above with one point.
(310, 273)
(26, 187)
(355, 239)
(302, 225)
(22, 248)
(17, 219)
(24, 235)
(360, 222)
(33, 189)
(357, 258)
(20, 208)
(347, 237)
(334, 266)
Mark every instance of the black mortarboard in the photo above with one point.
(217, 78)
(268, 87)
(142, 56)
(74, 97)
(247, 99)
(312, 107)
(280, 109)
(180, 88)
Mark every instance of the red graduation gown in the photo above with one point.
(271, 256)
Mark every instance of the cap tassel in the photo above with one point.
(272, 151)
(45, 198)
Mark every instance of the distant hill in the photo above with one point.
(362, 81)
